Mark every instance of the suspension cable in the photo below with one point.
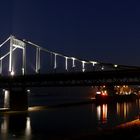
(5, 41)
(7, 54)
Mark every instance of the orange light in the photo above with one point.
(104, 93)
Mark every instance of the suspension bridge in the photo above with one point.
(49, 68)
(69, 62)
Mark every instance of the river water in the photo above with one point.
(63, 122)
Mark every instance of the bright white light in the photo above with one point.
(28, 128)
(66, 63)
(12, 73)
(28, 91)
(23, 71)
(55, 63)
(98, 92)
(115, 66)
(99, 112)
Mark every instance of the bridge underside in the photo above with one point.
(129, 77)
(16, 85)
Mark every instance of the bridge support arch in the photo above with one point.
(16, 99)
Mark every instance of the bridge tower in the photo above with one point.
(16, 98)
(16, 43)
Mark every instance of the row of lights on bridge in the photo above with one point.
(73, 62)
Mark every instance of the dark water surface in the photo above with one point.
(64, 122)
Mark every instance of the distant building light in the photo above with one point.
(104, 93)
(98, 92)
(28, 91)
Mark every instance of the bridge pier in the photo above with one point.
(16, 99)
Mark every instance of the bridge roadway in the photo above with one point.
(115, 77)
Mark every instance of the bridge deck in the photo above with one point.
(117, 77)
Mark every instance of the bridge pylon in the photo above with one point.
(16, 99)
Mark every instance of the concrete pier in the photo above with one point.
(16, 99)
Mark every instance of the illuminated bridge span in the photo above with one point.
(26, 64)
(45, 59)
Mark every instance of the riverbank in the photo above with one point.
(44, 107)
(129, 130)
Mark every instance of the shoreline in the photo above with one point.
(128, 130)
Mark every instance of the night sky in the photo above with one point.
(102, 30)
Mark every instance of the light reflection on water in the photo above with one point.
(16, 126)
(65, 121)
(102, 113)
(121, 111)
